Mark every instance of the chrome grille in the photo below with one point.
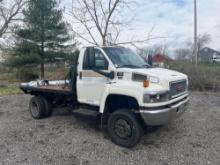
(177, 88)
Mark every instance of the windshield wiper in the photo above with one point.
(146, 66)
(129, 66)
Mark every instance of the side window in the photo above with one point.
(100, 60)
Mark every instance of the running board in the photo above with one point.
(86, 112)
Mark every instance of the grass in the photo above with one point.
(9, 81)
(209, 67)
(201, 77)
(58, 73)
(6, 91)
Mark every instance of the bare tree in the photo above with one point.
(183, 54)
(154, 49)
(203, 40)
(8, 14)
(102, 17)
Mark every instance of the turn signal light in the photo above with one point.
(145, 83)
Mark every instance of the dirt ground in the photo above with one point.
(64, 138)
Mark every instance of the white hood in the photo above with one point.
(157, 72)
(164, 75)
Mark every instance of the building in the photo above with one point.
(208, 55)
(160, 60)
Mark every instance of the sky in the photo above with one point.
(172, 20)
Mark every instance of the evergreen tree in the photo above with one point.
(44, 36)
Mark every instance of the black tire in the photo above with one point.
(124, 128)
(37, 107)
(48, 107)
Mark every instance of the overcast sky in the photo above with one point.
(173, 19)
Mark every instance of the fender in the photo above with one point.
(112, 89)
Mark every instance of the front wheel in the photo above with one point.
(124, 128)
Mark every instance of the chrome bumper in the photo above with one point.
(161, 116)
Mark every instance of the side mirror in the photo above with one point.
(91, 61)
(111, 75)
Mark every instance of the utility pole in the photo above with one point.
(195, 33)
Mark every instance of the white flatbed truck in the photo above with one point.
(118, 85)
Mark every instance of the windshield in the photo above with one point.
(123, 57)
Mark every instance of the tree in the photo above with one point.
(203, 40)
(9, 12)
(183, 54)
(43, 37)
(152, 50)
(100, 22)
(98, 17)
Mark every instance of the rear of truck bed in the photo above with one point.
(55, 92)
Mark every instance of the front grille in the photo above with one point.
(177, 88)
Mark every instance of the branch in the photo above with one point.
(84, 22)
(84, 38)
(138, 41)
(111, 10)
(9, 14)
(94, 17)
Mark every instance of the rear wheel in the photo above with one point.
(124, 128)
(37, 107)
(48, 107)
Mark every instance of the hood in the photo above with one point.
(164, 75)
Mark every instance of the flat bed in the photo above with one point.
(46, 89)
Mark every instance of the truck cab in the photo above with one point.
(118, 85)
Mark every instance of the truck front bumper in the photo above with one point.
(163, 115)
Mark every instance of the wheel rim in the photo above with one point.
(34, 109)
(123, 129)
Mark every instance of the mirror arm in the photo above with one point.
(106, 74)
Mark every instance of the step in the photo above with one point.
(86, 112)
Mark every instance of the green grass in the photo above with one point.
(6, 91)
(209, 67)
(202, 77)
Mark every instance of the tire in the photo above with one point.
(37, 107)
(48, 108)
(124, 128)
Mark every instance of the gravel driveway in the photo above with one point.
(64, 138)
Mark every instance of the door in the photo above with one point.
(90, 84)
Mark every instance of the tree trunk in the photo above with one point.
(42, 70)
(42, 42)
(104, 41)
(42, 58)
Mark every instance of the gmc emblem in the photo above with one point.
(179, 88)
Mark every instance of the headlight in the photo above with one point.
(155, 98)
(154, 80)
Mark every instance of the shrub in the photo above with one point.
(201, 77)
(26, 74)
